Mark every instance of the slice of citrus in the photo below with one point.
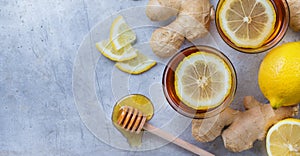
(126, 53)
(202, 80)
(247, 23)
(137, 65)
(121, 34)
(283, 139)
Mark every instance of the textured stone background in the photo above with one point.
(39, 42)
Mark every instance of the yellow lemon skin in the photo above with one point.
(279, 75)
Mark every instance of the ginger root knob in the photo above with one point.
(244, 127)
(294, 6)
(192, 22)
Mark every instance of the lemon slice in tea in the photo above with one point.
(125, 53)
(121, 34)
(137, 65)
(202, 80)
(247, 23)
(283, 139)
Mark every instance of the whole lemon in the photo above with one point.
(279, 75)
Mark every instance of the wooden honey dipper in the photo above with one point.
(131, 119)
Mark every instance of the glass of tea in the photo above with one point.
(199, 82)
(252, 26)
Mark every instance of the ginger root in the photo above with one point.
(192, 22)
(244, 127)
(294, 6)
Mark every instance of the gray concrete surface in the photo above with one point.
(39, 42)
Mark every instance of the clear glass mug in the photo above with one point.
(281, 26)
(169, 86)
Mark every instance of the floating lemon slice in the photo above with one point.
(202, 80)
(121, 34)
(247, 23)
(137, 65)
(283, 139)
(126, 53)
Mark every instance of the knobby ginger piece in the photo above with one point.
(294, 6)
(209, 129)
(192, 22)
(244, 127)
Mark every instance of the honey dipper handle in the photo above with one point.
(175, 140)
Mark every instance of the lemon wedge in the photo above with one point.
(202, 80)
(247, 23)
(120, 33)
(283, 139)
(106, 49)
(137, 65)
